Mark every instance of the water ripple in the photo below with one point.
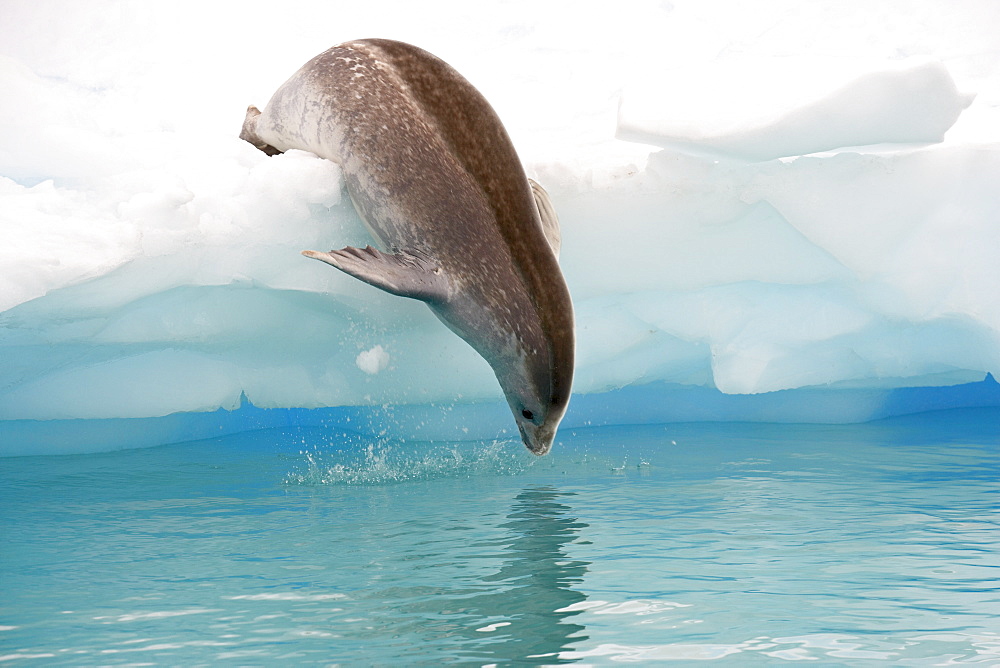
(739, 544)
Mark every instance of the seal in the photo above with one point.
(435, 177)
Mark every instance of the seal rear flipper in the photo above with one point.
(400, 274)
(249, 132)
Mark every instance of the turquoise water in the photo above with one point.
(736, 544)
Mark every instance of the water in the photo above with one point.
(735, 544)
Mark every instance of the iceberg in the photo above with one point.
(749, 236)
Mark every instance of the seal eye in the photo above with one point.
(528, 415)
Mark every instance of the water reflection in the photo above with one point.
(525, 617)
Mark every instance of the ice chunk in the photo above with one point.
(373, 360)
(771, 109)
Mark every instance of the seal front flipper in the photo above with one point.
(547, 214)
(403, 274)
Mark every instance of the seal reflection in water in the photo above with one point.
(436, 179)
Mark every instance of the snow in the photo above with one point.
(762, 208)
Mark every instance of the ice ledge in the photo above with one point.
(647, 404)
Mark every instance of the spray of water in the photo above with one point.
(384, 461)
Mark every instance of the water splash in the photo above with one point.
(386, 461)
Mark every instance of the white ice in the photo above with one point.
(786, 109)
(808, 200)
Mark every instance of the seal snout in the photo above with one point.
(537, 438)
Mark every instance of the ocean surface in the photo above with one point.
(735, 544)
